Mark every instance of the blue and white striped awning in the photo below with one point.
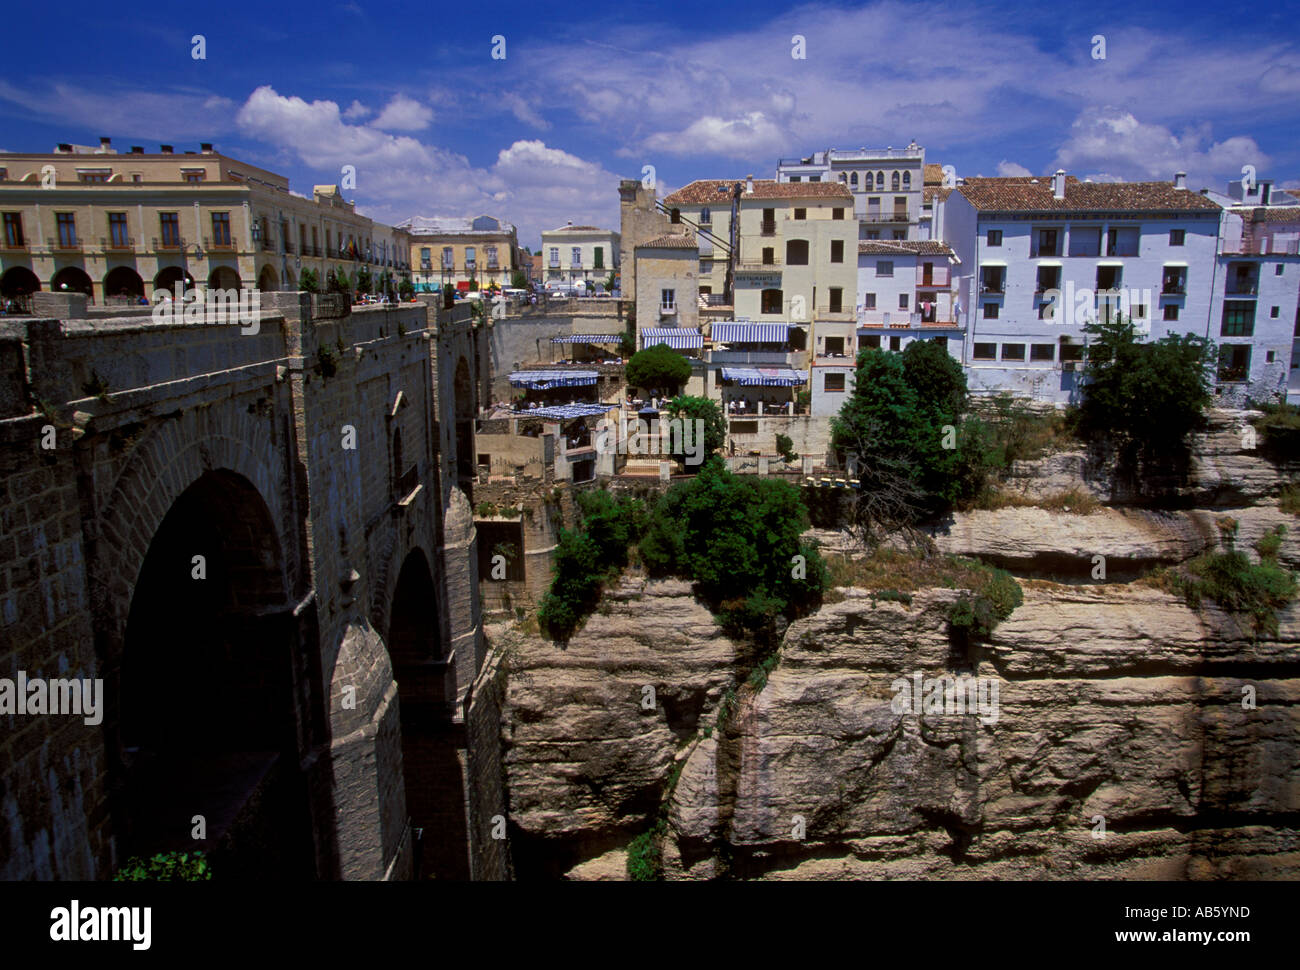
(678, 338)
(587, 338)
(765, 376)
(565, 411)
(751, 333)
(544, 380)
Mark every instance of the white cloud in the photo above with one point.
(1006, 169)
(356, 110)
(531, 184)
(181, 115)
(745, 137)
(1111, 144)
(404, 114)
(524, 111)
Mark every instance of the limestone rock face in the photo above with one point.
(588, 747)
(1113, 703)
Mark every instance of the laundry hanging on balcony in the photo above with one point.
(765, 376)
(751, 333)
(678, 338)
(544, 380)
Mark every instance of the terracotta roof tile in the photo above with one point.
(706, 191)
(1034, 194)
(675, 240)
(933, 174)
(1281, 213)
(908, 247)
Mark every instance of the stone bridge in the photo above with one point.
(260, 540)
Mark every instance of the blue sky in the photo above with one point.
(410, 95)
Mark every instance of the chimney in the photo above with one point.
(165, 149)
(105, 144)
(137, 149)
(749, 185)
(64, 148)
(1058, 184)
(205, 146)
(1180, 180)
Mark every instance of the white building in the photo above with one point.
(1041, 257)
(886, 184)
(580, 253)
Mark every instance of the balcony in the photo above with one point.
(827, 311)
(221, 245)
(1242, 288)
(13, 246)
(118, 244)
(64, 245)
(871, 216)
(168, 244)
(767, 229)
(766, 358)
(993, 288)
(938, 277)
(1168, 288)
(758, 265)
(268, 246)
(287, 248)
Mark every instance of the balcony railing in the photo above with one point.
(873, 216)
(14, 246)
(760, 264)
(993, 288)
(164, 245)
(223, 245)
(63, 244)
(268, 246)
(120, 243)
(937, 277)
(1173, 289)
(765, 357)
(767, 229)
(1242, 288)
(827, 309)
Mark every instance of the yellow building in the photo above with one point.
(462, 253)
(119, 225)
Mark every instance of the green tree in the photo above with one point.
(519, 279)
(405, 289)
(309, 282)
(1145, 397)
(364, 280)
(658, 367)
(609, 282)
(701, 409)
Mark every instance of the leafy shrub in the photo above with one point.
(1238, 586)
(1288, 500)
(309, 282)
(644, 856)
(690, 408)
(166, 867)
(658, 367)
(975, 614)
(785, 447)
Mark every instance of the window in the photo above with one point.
(555, 255)
(117, 236)
(598, 258)
(770, 301)
(1139, 311)
(895, 343)
(1238, 318)
(1272, 314)
(800, 214)
(873, 233)
(900, 234)
(796, 178)
(95, 176)
(853, 179)
(900, 207)
(706, 269)
(834, 382)
(843, 177)
(1171, 311)
(880, 180)
(1270, 357)
(194, 177)
(1042, 351)
(834, 346)
(491, 253)
(1122, 242)
(872, 340)
(1045, 243)
(986, 352)
(814, 178)
(907, 180)
(1013, 351)
(868, 301)
(769, 255)
(992, 279)
(13, 228)
(837, 250)
(1049, 278)
(837, 213)
(1071, 353)
(769, 222)
(1176, 236)
(796, 252)
(67, 223)
(885, 267)
(1234, 363)
(990, 311)
(1173, 281)
(902, 301)
(575, 257)
(706, 217)
(1277, 270)
(449, 258)
(893, 181)
(668, 299)
(836, 299)
(995, 237)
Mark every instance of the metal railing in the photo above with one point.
(66, 244)
(119, 243)
(749, 357)
(872, 216)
